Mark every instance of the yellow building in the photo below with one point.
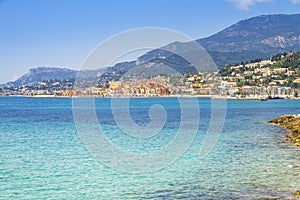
(114, 85)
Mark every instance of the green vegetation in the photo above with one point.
(281, 70)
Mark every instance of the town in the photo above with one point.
(276, 77)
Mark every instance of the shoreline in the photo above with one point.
(240, 98)
(213, 97)
(292, 124)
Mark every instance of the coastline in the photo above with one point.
(292, 124)
(213, 97)
(97, 96)
(239, 98)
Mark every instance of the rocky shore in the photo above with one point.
(292, 124)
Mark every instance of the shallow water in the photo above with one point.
(42, 156)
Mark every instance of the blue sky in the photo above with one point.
(61, 33)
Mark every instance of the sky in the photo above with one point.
(62, 33)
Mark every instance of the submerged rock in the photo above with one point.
(292, 123)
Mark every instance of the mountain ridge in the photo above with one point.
(39, 74)
(257, 37)
(257, 29)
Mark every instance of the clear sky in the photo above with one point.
(61, 33)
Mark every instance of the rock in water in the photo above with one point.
(292, 123)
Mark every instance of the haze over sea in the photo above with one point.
(42, 156)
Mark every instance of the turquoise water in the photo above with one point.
(42, 156)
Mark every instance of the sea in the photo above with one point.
(148, 148)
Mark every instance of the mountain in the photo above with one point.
(252, 38)
(36, 75)
(263, 33)
(257, 37)
(173, 59)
